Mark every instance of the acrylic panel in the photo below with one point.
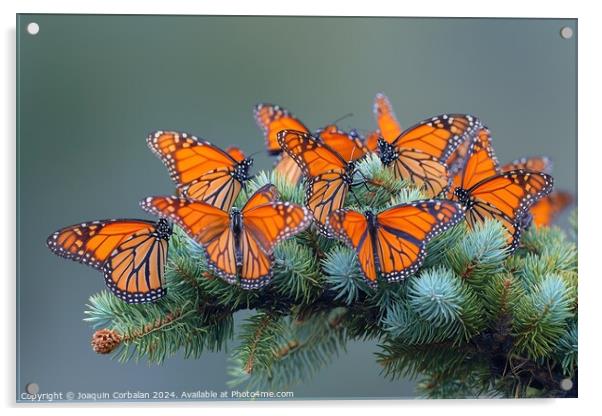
(470, 319)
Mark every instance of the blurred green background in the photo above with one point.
(90, 88)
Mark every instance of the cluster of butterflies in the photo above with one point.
(449, 157)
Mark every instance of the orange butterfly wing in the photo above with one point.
(263, 195)
(352, 228)
(403, 231)
(310, 153)
(386, 120)
(458, 157)
(131, 253)
(534, 163)
(206, 224)
(507, 198)
(480, 163)
(438, 136)
(273, 118)
(236, 153)
(371, 141)
(326, 172)
(396, 244)
(265, 224)
(287, 168)
(324, 194)
(421, 169)
(547, 208)
(348, 145)
(202, 171)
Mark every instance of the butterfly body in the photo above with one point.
(329, 177)
(387, 152)
(241, 170)
(420, 168)
(463, 197)
(349, 173)
(238, 243)
(488, 193)
(201, 170)
(393, 242)
(420, 153)
(130, 253)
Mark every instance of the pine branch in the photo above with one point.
(473, 321)
(343, 275)
(306, 346)
(259, 335)
(537, 333)
(480, 254)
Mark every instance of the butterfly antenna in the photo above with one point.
(365, 180)
(342, 118)
(254, 153)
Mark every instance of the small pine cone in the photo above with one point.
(104, 341)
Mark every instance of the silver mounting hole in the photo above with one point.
(566, 32)
(32, 388)
(566, 384)
(33, 28)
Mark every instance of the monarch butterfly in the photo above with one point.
(201, 171)
(506, 197)
(240, 242)
(130, 253)
(347, 144)
(547, 208)
(420, 168)
(329, 176)
(437, 136)
(388, 126)
(394, 241)
(272, 118)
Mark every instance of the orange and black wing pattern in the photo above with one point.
(423, 170)
(328, 174)
(349, 145)
(457, 159)
(533, 163)
(403, 231)
(388, 126)
(201, 171)
(544, 211)
(438, 136)
(310, 153)
(204, 223)
(394, 241)
(271, 119)
(131, 254)
(238, 245)
(352, 228)
(480, 163)
(266, 222)
(506, 197)
(326, 193)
